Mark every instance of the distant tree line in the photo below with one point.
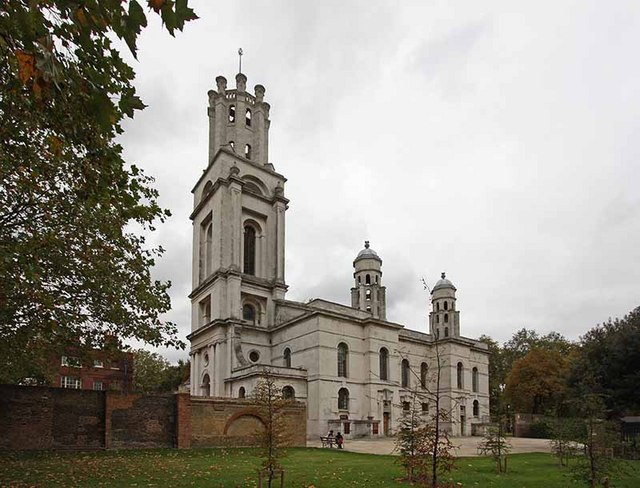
(545, 374)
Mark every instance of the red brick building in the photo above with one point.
(104, 372)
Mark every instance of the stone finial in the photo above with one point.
(221, 81)
(241, 82)
(442, 275)
(234, 171)
(366, 244)
(259, 91)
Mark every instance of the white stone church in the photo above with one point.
(354, 369)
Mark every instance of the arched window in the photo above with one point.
(232, 113)
(460, 371)
(207, 189)
(249, 313)
(405, 373)
(438, 307)
(424, 370)
(384, 364)
(368, 308)
(206, 385)
(209, 249)
(367, 294)
(249, 250)
(288, 393)
(446, 318)
(437, 319)
(241, 392)
(247, 151)
(367, 280)
(446, 331)
(343, 352)
(476, 408)
(343, 399)
(359, 279)
(446, 305)
(287, 357)
(247, 118)
(474, 379)
(376, 279)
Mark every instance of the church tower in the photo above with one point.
(444, 319)
(368, 294)
(238, 215)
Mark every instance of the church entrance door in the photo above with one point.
(385, 423)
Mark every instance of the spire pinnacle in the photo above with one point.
(240, 53)
(443, 276)
(366, 244)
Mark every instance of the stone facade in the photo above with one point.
(352, 367)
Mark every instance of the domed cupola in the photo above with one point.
(368, 293)
(444, 319)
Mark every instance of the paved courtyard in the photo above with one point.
(465, 446)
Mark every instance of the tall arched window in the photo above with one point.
(446, 331)
(209, 249)
(384, 364)
(247, 118)
(460, 371)
(206, 385)
(424, 370)
(249, 313)
(249, 250)
(232, 113)
(247, 151)
(474, 379)
(288, 393)
(438, 307)
(367, 280)
(446, 318)
(343, 399)
(287, 357)
(405, 373)
(343, 352)
(446, 305)
(241, 392)
(476, 408)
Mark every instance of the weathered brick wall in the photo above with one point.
(57, 418)
(140, 420)
(235, 422)
(50, 418)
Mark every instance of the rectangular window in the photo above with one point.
(98, 364)
(97, 385)
(70, 362)
(347, 427)
(425, 407)
(70, 382)
(205, 311)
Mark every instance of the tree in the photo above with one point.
(498, 371)
(495, 444)
(153, 373)
(537, 382)
(608, 364)
(73, 269)
(271, 405)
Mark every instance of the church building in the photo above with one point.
(356, 370)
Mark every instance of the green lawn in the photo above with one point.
(322, 468)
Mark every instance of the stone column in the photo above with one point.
(212, 370)
(280, 208)
(192, 374)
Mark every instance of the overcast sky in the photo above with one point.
(496, 141)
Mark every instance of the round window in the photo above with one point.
(254, 356)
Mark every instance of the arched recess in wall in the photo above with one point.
(242, 392)
(405, 371)
(245, 423)
(343, 355)
(384, 364)
(208, 187)
(288, 393)
(255, 185)
(286, 356)
(206, 385)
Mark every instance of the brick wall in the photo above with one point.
(58, 418)
(50, 418)
(235, 421)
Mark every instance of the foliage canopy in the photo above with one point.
(72, 270)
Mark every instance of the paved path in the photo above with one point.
(465, 446)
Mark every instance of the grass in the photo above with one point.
(321, 468)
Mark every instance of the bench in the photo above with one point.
(327, 441)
